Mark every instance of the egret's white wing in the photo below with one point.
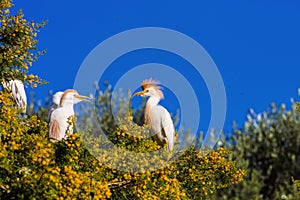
(162, 124)
(169, 130)
(59, 122)
(18, 92)
(21, 98)
(16, 87)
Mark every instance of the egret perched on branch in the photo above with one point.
(59, 117)
(157, 116)
(16, 87)
(55, 100)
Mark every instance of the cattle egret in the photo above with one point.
(16, 87)
(59, 117)
(55, 100)
(157, 116)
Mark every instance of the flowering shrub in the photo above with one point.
(31, 167)
(18, 45)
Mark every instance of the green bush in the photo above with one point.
(267, 147)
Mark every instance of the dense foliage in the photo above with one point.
(268, 148)
(31, 166)
(297, 184)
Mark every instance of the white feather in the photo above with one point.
(16, 87)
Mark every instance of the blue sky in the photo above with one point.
(255, 44)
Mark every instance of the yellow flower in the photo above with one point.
(30, 76)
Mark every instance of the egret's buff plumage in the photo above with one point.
(16, 87)
(59, 117)
(157, 116)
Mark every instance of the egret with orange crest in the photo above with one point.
(156, 115)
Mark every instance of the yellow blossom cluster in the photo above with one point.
(193, 175)
(18, 46)
(31, 166)
(80, 185)
(67, 170)
(298, 106)
(297, 184)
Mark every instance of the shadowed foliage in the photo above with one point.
(268, 148)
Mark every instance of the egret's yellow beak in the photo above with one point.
(139, 93)
(81, 97)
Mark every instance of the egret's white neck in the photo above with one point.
(67, 104)
(153, 101)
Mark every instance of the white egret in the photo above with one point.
(55, 102)
(16, 87)
(157, 116)
(59, 118)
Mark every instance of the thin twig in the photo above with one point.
(118, 184)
